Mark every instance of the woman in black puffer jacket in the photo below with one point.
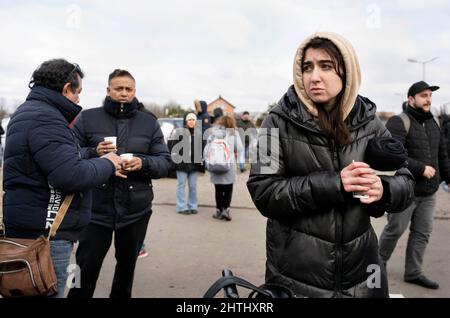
(320, 242)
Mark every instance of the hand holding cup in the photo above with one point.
(106, 146)
(130, 162)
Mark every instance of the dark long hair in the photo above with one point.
(332, 122)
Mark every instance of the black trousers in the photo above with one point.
(224, 193)
(95, 242)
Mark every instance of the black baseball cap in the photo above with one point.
(418, 87)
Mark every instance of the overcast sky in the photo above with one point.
(179, 50)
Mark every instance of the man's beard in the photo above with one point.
(421, 109)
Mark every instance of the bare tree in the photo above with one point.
(173, 109)
(263, 116)
(3, 108)
(156, 109)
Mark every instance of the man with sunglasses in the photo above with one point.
(43, 164)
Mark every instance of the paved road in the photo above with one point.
(188, 252)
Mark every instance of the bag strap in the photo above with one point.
(2, 225)
(230, 281)
(56, 223)
(406, 121)
(60, 215)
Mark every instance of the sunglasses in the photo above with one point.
(76, 68)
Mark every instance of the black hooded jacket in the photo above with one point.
(320, 242)
(202, 115)
(120, 202)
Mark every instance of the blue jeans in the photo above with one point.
(191, 178)
(60, 251)
(244, 159)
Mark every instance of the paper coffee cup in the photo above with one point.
(359, 195)
(126, 156)
(113, 140)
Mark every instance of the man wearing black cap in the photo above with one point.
(427, 159)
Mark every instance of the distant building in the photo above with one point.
(226, 106)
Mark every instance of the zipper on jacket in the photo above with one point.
(338, 253)
(338, 233)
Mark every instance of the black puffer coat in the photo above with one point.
(192, 141)
(320, 242)
(120, 202)
(426, 145)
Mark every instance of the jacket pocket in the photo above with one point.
(102, 198)
(140, 196)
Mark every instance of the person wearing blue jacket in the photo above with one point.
(120, 206)
(43, 164)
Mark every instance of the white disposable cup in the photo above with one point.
(113, 139)
(359, 195)
(126, 156)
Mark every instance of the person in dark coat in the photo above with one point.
(188, 156)
(217, 112)
(201, 109)
(43, 164)
(428, 161)
(247, 131)
(120, 206)
(320, 241)
(2, 132)
(445, 119)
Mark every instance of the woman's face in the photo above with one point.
(322, 82)
(190, 123)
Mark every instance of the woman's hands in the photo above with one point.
(359, 177)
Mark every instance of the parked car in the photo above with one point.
(168, 125)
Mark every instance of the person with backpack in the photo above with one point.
(223, 145)
(421, 135)
(311, 158)
(187, 163)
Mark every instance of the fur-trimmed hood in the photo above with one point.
(200, 106)
(353, 73)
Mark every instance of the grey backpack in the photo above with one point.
(407, 122)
